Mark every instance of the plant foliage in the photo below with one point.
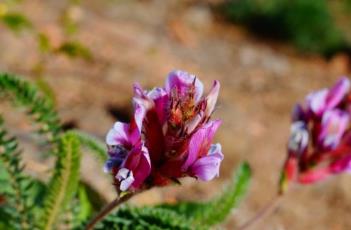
(148, 218)
(16, 188)
(64, 202)
(96, 146)
(215, 211)
(40, 108)
(186, 215)
(309, 25)
(64, 183)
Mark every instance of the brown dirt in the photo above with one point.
(141, 41)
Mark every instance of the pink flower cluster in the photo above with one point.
(320, 140)
(170, 136)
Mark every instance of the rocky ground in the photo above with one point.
(141, 41)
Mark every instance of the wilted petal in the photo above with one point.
(206, 168)
(211, 99)
(317, 101)
(184, 82)
(334, 124)
(200, 142)
(192, 124)
(298, 140)
(338, 92)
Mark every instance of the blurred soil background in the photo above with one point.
(127, 41)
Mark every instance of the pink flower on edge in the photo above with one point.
(169, 137)
(320, 139)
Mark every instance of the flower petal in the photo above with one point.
(211, 99)
(299, 114)
(334, 124)
(338, 92)
(314, 175)
(184, 82)
(191, 125)
(298, 140)
(206, 168)
(342, 165)
(111, 163)
(138, 161)
(160, 98)
(119, 134)
(317, 101)
(200, 142)
(126, 179)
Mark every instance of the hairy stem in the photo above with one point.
(263, 212)
(107, 209)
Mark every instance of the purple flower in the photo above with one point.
(169, 137)
(320, 139)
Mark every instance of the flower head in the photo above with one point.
(169, 137)
(320, 141)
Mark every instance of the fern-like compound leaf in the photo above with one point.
(215, 211)
(15, 185)
(63, 184)
(147, 218)
(97, 147)
(41, 109)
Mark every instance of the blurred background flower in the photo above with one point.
(319, 144)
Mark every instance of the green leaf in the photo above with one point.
(16, 187)
(96, 146)
(40, 107)
(85, 206)
(75, 49)
(147, 218)
(215, 211)
(46, 89)
(16, 21)
(64, 183)
(43, 43)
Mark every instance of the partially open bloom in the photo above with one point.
(170, 136)
(320, 139)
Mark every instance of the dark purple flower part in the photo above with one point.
(320, 139)
(169, 137)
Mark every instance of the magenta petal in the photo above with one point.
(317, 101)
(334, 124)
(138, 161)
(314, 175)
(206, 168)
(119, 135)
(211, 99)
(183, 82)
(141, 106)
(338, 92)
(160, 98)
(342, 165)
(299, 114)
(200, 142)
